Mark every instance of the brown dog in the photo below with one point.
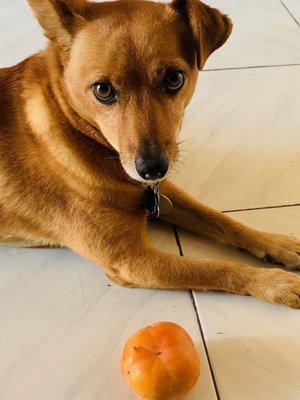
(86, 123)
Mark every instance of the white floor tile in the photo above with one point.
(241, 137)
(263, 34)
(63, 325)
(254, 346)
(294, 8)
(254, 349)
(20, 35)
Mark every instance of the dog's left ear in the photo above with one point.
(60, 19)
(210, 28)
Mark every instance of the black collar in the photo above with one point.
(151, 201)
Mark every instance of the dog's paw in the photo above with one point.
(277, 249)
(276, 286)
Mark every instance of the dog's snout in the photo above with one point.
(152, 168)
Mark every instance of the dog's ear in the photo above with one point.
(59, 18)
(210, 28)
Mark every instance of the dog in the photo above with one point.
(89, 131)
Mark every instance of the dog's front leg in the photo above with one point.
(192, 215)
(118, 242)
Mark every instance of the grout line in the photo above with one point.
(205, 346)
(289, 12)
(261, 208)
(175, 231)
(251, 67)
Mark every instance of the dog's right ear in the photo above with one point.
(59, 18)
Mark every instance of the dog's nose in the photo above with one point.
(152, 168)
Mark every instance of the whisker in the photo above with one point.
(182, 141)
(111, 157)
(184, 151)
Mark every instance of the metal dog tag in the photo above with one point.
(155, 203)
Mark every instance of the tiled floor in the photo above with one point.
(63, 323)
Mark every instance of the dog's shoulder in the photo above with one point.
(13, 82)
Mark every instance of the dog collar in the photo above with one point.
(156, 203)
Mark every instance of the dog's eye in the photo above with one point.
(104, 92)
(174, 81)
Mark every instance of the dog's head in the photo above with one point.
(130, 69)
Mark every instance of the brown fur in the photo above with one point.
(64, 155)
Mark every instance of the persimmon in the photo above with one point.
(160, 362)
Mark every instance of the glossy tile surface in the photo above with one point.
(20, 35)
(64, 325)
(253, 346)
(241, 142)
(263, 34)
(293, 7)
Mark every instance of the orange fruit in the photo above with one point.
(160, 362)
